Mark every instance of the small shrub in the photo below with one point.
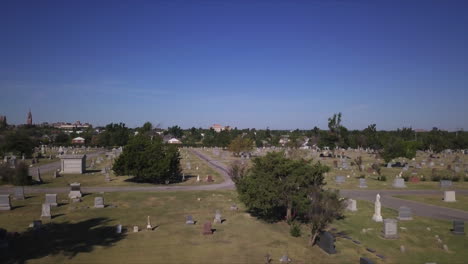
(435, 178)
(295, 229)
(382, 178)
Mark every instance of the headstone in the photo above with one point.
(351, 205)
(449, 196)
(46, 212)
(399, 183)
(365, 261)
(5, 202)
(75, 190)
(445, 183)
(38, 175)
(326, 242)
(198, 178)
(135, 229)
(285, 259)
(362, 183)
(189, 220)
(389, 165)
(118, 229)
(207, 229)
(402, 249)
(51, 199)
(217, 218)
(234, 207)
(458, 227)
(148, 224)
(209, 178)
(107, 178)
(19, 192)
(340, 179)
(405, 213)
(377, 217)
(390, 230)
(98, 202)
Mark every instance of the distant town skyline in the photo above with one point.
(246, 64)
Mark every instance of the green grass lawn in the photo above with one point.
(461, 203)
(82, 234)
(94, 177)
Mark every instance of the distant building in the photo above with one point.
(3, 121)
(218, 128)
(174, 141)
(70, 126)
(29, 120)
(78, 140)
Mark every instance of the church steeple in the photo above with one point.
(29, 120)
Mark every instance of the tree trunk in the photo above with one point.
(289, 211)
(312, 239)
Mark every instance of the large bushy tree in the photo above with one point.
(149, 160)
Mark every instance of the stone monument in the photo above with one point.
(326, 242)
(5, 202)
(73, 164)
(404, 213)
(98, 202)
(449, 196)
(51, 199)
(75, 191)
(377, 217)
(46, 212)
(390, 230)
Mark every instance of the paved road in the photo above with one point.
(56, 165)
(387, 198)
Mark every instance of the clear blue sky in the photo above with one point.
(281, 64)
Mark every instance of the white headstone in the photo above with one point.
(449, 196)
(46, 212)
(377, 217)
(352, 205)
(98, 202)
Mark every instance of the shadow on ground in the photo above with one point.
(68, 239)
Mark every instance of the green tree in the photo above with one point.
(325, 207)
(398, 148)
(19, 143)
(175, 131)
(149, 161)
(240, 144)
(275, 185)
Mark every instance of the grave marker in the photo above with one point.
(46, 212)
(405, 213)
(449, 196)
(326, 242)
(51, 199)
(98, 202)
(207, 229)
(19, 192)
(189, 220)
(5, 202)
(362, 183)
(390, 230)
(351, 205)
(399, 183)
(217, 218)
(75, 191)
(458, 227)
(340, 179)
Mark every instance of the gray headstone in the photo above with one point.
(326, 242)
(445, 183)
(118, 229)
(399, 183)
(98, 202)
(362, 183)
(46, 212)
(189, 220)
(351, 205)
(75, 190)
(340, 179)
(390, 230)
(51, 199)
(458, 227)
(5, 202)
(405, 213)
(19, 192)
(285, 259)
(218, 217)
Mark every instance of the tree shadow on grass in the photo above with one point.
(68, 239)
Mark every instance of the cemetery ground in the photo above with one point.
(93, 177)
(352, 174)
(80, 233)
(461, 202)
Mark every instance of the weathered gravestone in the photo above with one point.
(46, 212)
(51, 199)
(217, 218)
(19, 192)
(5, 202)
(75, 191)
(209, 178)
(189, 220)
(135, 229)
(390, 230)
(399, 183)
(340, 179)
(98, 202)
(207, 229)
(449, 196)
(362, 183)
(405, 213)
(458, 227)
(351, 205)
(118, 229)
(326, 242)
(445, 183)
(285, 259)
(365, 261)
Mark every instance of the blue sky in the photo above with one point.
(277, 64)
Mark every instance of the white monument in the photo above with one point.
(449, 196)
(73, 163)
(377, 217)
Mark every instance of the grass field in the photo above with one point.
(82, 234)
(461, 203)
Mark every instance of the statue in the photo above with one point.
(377, 217)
